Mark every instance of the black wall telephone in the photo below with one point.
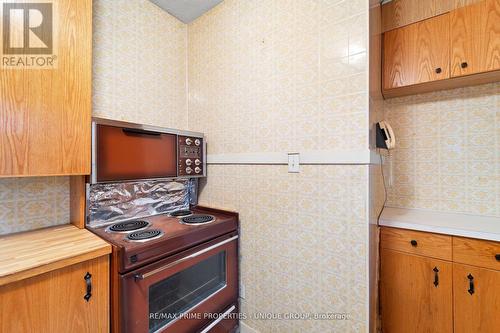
(385, 136)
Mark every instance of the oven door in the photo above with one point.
(122, 153)
(181, 293)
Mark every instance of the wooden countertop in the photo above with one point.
(31, 253)
(464, 225)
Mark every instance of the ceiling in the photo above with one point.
(186, 10)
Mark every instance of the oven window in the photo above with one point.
(178, 293)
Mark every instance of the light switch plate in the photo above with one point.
(293, 162)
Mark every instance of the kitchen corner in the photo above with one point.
(249, 166)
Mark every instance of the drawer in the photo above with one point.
(476, 252)
(416, 242)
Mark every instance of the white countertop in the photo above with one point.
(472, 226)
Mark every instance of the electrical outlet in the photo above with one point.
(293, 162)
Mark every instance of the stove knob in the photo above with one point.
(189, 162)
(197, 162)
(189, 170)
(197, 142)
(197, 170)
(189, 141)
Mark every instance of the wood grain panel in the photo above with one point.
(413, 54)
(399, 13)
(409, 299)
(479, 311)
(398, 56)
(53, 302)
(77, 201)
(490, 34)
(475, 38)
(476, 252)
(32, 253)
(45, 113)
(465, 46)
(427, 244)
(431, 55)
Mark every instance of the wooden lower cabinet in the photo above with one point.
(54, 301)
(414, 296)
(466, 298)
(476, 299)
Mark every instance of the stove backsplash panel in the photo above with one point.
(115, 202)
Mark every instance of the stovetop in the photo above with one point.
(141, 241)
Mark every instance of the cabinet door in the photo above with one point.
(432, 54)
(476, 299)
(416, 293)
(475, 38)
(417, 53)
(54, 301)
(45, 113)
(397, 66)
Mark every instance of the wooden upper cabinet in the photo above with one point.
(456, 49)
(45, 112)
(475, 38)
(476, 299)
(415, 293)
(417, 53)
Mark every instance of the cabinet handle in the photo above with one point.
(139, 131)
(88, 281)
(439, 70)
(413, 242)
(471, 284)
(464, 64)
(497, 256)
(436, 276)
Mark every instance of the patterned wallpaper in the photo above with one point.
(279, 76)
(139, 69)
(448, 150)
(303, 241)
(32, 203)
(139, 75)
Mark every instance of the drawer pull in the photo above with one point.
(436, 276)
(88, 281)
(471, 284)
(497, 257)
(413, 242)
(139, 131)
(464, 64)
(438, 70)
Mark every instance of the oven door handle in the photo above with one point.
(191, 256)
(218, 320)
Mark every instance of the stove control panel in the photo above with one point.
(190, 156)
